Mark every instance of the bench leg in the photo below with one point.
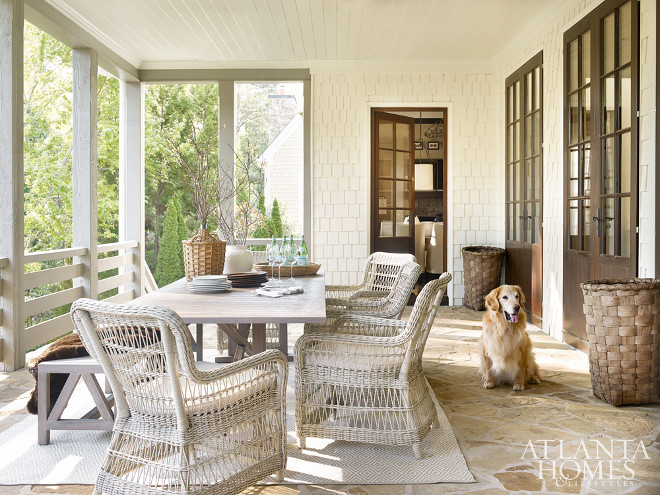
(43, 404)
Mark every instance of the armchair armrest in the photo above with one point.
(369, 294)
(342, 291)
(263, 371)
(368, 325)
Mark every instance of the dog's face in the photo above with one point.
(509, 299)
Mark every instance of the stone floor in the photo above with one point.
(593, 447)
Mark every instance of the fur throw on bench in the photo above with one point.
(70, 346)
(65, 347)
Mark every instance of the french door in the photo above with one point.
(524, 183)
(600, 156)
(392, 195)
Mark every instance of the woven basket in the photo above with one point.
(298, 270)
(623, 327)
(482, 269)
(203, 254)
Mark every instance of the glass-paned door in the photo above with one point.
(524, 182)
(600, 129)
(392, 183)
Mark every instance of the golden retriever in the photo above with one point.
(506, 349)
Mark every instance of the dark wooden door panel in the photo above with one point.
(392, 177)
(524, 183)
(577, 269)
(600, 156)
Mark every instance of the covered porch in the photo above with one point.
(461, 60)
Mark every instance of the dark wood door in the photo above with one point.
(392, 196)
(524, 183)
(600, 132)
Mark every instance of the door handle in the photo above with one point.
(597, 219)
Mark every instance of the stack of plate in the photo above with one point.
(210, 283)
(248, 279)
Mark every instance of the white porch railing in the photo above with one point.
(121, 278)
(44, 331)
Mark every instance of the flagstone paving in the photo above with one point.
(512, 441)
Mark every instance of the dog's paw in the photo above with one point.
(518, 386)
(535, 380)
(489, 384)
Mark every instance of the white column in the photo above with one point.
(85, 220)
(11, 183)
(131, 178)
(226, 139)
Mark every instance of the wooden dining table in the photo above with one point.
(238, 309)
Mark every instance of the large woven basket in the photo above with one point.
(623, 327)
(203, 254)
(482, 269)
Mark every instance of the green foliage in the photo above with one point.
(181, 127)
(276, 227)
(48, 138)
(169, 266)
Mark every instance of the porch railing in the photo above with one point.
(115, 258)
(51, 328)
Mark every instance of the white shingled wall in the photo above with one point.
(648, 196)
(549, 38)
(341, 113)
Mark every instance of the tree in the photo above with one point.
(169, 266)
(276, 227)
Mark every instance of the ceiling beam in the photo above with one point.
(187, 75)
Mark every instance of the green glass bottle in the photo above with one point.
(303, 253)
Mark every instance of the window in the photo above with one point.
(600, 131)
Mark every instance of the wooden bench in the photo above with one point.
(99, 418)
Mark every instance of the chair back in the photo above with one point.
(382, 270)
(400, 292)
(144, 351)
(422, 317)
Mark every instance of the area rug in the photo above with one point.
(74, 457)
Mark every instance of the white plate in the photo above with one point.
(210, 278)
(209, 291)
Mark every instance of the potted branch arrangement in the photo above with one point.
(204, 253)
(238, 194)
(227, 193)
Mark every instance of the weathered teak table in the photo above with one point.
(235, 310)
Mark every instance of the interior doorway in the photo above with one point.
(408, 177)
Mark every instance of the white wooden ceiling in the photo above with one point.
(243, 33)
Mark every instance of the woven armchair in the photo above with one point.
(365, 382)
(179, 429)
(375, 303)
(380, 273)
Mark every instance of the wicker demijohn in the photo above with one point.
(203, 254)
(623, 327)
(482, 269)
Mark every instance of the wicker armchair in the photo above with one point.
(179, 429)
(365, 382)
(379, 275)
(375, 303)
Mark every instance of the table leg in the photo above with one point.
(258, 337)
(239, 336)
(284, 340)
(199, 342)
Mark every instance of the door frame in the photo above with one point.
(421, 107)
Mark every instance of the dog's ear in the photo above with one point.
(522, 296)
(492, 300)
